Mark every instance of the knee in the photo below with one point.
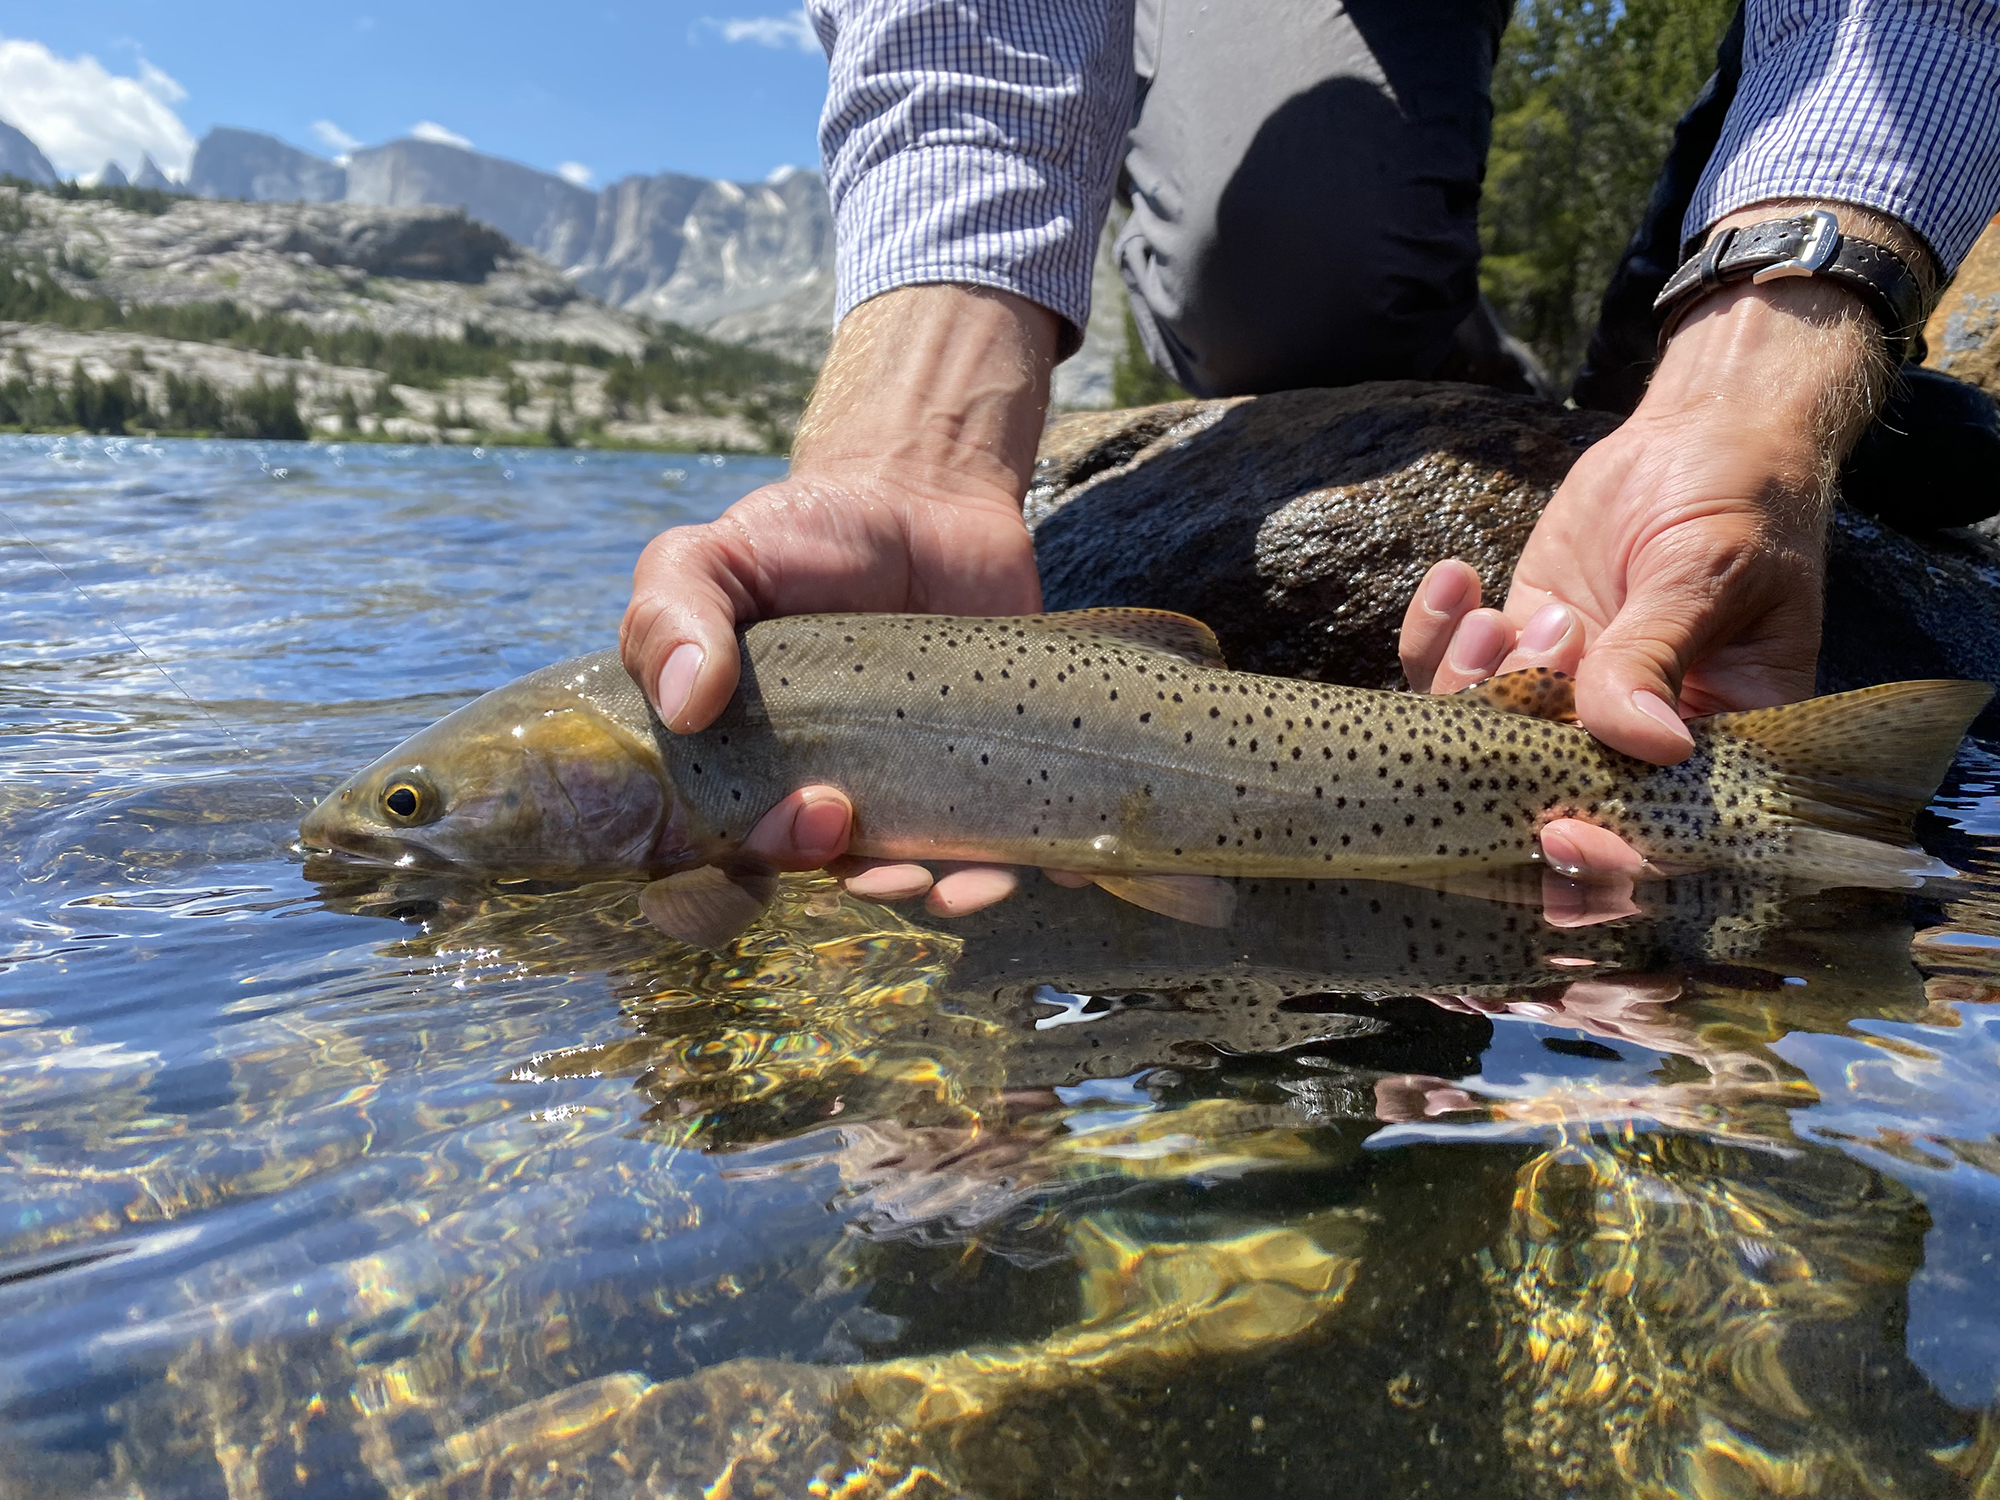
(1283, 295)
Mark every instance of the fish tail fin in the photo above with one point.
(1857, 768)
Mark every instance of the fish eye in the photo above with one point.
(409, 801)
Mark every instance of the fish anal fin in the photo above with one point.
(1826, 857)
(708, 907)
(1160, 630)
(1539, 692)
(1204, 900)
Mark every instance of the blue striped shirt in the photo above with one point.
(979, 142)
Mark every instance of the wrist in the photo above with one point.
(1786, 375)
(939, 389)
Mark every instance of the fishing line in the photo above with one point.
(112, 620)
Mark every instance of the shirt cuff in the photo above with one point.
(1892, 105)
(974, 216)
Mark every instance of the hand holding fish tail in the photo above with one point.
(905, 495)
(1679, 570)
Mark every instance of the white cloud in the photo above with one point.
(575, 173)
(156, 82)
(82, 115)
(430, 130)
(333, 137)
(794, 30)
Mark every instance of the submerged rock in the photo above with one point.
(1299, 524)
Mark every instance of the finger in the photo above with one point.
(1447, 1100)
(678, 637)
(969, 888)
(1552, 638)
(1071, 879)
(1583, 850)
(1448, 593)
(803, 832)
(889, 882)
(1480, 644)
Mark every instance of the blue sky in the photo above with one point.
(711, 87)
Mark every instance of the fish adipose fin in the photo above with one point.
(707, 907)
(1204, 900)
(1538, 692)
(1857, 768)
(1160, 630)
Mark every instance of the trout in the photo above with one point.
(1116, 742)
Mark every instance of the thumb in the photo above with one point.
(678, 637)
(1629, 681)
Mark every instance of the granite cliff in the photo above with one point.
(750, 262)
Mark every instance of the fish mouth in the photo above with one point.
(366, 848)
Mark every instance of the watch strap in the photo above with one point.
(1808, 245)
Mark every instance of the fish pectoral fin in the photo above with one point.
(707, 907)
(1205, 900)
(1538, 692)
(1161, 630)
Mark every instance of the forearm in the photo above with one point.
(943, 388)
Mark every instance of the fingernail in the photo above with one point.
(819, 829)
(1560, 850)
(677, 680)
(1445, 591)
(1653, 706)
(1546, 629)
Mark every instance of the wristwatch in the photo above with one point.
(1809, 245)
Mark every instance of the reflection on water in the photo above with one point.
(324, 1181)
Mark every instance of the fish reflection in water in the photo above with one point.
(1075, 1248)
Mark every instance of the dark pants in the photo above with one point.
(1304, 182)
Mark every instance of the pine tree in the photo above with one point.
(1585, 96)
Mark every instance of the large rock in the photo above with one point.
(423, 244)
(257, 168)
(1964, 333)
(1299, 524)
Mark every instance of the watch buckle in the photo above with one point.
(1822, 244)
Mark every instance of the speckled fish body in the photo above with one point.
(1109, 742)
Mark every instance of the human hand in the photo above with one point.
(905, 495)
(1679, 570)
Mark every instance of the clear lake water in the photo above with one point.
(321, 1181)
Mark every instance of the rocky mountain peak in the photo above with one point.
(21, 157)
(750, 262)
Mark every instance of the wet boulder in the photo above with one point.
(1298, 525)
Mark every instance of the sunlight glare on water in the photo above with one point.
(319, 1181)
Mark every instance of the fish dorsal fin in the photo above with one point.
(1160, 630)
(1537, 692)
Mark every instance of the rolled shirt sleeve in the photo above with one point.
(974, 141)
(1892, 105)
